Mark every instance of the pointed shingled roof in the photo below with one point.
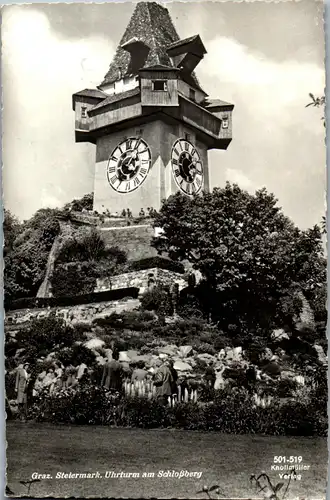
(151, 25)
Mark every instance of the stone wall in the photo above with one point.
(84, 313)
(135, 240)
(140, 279)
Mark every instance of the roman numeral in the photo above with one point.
(136, 181)
(128, 186)
(198, 181)
(174, 161)
(112, 169)
(177, 172)
(188, 188)
(113, 179)
(176, 152)
(180, 144)
(143, 171)
(128, 144)
(114, 158)
(193, 151)
(186, 146)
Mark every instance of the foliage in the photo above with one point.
(81, 260)
(74, 279)
(249, 253)
(26, 259)
(228, 412)
(11, 229)
(158, 299)
(317, 102)
(81, 204)
(44, 335)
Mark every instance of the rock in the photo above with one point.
(124, 357)
(267, 354)
(170, 350)
(132, 354)
(299, 379)
(272, 369)
(51, 356)
(181, 366)
(206, 357)
(185, 350)
(287, 375)
(222, 354)
(100, 360)
(320, 354)
(81, 370)
(94, 343)
(279, 334)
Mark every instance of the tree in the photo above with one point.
(248, 252)
(11, 229)
(26, 258)
(84, 203)
(81, 260)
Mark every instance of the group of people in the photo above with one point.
(164, 378)
(57, 377)
(29, 383)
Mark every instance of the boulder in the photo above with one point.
(133, 355)
(51, 356)
(279, 334)
(94, 343)
(170, 349)
(288, 375)
(185, 350)
(181, 366)
(123, 356)
(320, 354)
(206, 357)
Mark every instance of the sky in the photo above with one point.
(264, 57)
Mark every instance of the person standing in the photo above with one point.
(163, 380)
(113, 374)
(139, 373)
(20, 388)
(174, 374)
(210, 376)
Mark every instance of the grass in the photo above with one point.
(226, 460)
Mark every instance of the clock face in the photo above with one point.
(187, 167)
(128, 165)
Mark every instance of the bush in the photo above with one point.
(77, 278)
(157, 299)
(229, 412)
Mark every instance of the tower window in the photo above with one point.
(192, 95)
(83, 111)
(159, 85)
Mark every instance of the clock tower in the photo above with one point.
(150, 120)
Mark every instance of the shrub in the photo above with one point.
(203, 347)
(74, 279)
(75, 355)
(157, 299)
(230, 412)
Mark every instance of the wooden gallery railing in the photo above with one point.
(145, 388)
